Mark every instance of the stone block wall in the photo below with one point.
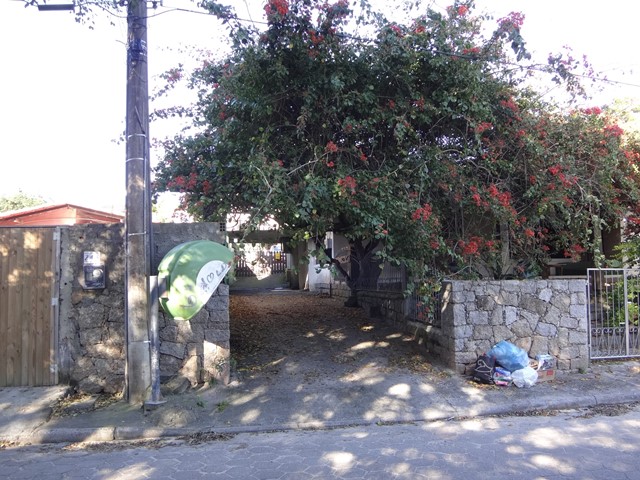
(540, 316)
(91, 351)
(91, 340)
(198, 349)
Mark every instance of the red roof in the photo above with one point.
(54, 215)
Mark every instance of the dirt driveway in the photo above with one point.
(304, 360)
(309, 336)
(301, 360)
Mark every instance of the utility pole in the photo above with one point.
(138, 209)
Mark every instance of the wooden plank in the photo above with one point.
(4, 304)
(53, 308)
(24, 273)
(32, 245)
(46, 275)
(40, 247)
(13, 305)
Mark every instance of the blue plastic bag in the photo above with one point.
(509, 356)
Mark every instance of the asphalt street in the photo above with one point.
(589, 444)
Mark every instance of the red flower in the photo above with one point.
(315, 39)
(331, 147)
(280, 6)
(348, 182)
(529, 233)
(462, 10)
(613, 130)
(470, 248)
(396, 29)
(422, 213)
(510, 105)
(554, 170)
(483, 126)
(574, 251)
(592, 111)
(505, 199)
(514, 20)
(330, 164)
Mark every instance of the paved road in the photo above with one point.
(568, 445)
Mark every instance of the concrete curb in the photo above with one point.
(131, 433)
(72, 435)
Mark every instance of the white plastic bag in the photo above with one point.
(525, 377)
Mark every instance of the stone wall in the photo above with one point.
(540, 316)
(198, 349)
(91, 352)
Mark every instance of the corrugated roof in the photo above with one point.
(39, 209)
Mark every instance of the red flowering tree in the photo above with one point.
(417, 143)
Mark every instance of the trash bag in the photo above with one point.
(502, 377)
(525, 377)
(509, 356)
(483, 372)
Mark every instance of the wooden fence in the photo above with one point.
(28, 306)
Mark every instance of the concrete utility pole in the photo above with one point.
(138, 208)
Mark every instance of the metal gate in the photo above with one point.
(261, 264)
(614, 308)
(28, 306)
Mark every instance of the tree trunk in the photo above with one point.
(505, 255)
(365, 269)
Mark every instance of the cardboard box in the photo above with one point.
(546, 362)
(546, 375)
(545, 365)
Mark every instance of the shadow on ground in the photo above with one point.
(306, 361)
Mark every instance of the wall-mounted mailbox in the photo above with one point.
(94, 271)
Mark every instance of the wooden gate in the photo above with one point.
(262, 264)
(28, 306)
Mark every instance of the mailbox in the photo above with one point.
(94, 271)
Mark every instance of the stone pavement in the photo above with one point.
(274, 404)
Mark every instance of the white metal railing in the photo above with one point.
(613, 301)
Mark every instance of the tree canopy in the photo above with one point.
(422, 143)
(19, 200)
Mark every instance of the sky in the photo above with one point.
(63, 90)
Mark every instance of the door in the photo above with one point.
(29, 265)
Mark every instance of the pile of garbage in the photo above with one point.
(507, 364)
